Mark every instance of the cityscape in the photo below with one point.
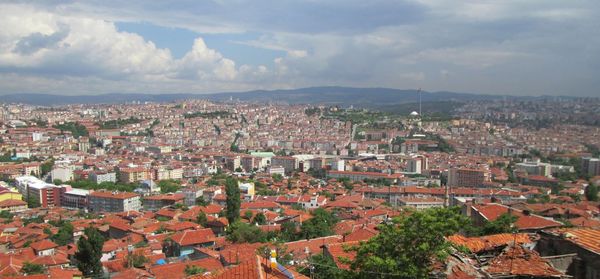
(126, 155)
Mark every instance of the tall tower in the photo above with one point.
(420, 113)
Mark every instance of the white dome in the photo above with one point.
(414, 113)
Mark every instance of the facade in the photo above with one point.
(466, 177)
(360, 176)
(535, 168)
(37, 191)
(289, 164)
(159, 201)
(99, 177)
(565, 243)
(62, 174)
(192, 193)
(13, 205)
(591, 166)
(131, 175)
(421, 203)
(168, 173)
(75, 199)
(103, 201)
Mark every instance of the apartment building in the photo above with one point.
(467, 177)
(288, 163)
(131, 175)
(38, 191)
(165, 173)
(104, 201)
(99, 177)
(591, 166)
(360, 175)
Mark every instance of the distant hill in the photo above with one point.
(343, 96)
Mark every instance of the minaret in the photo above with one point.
(420, 115)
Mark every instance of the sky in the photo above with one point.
(514, 47)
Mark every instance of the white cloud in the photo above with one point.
(536, 46)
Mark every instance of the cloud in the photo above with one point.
(512, 46)
(37, 41)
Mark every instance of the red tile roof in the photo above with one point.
(492, 211)
(519, 261)
(584, 237)
(111, 195)
(200, 236)
(341, 253)
(43, 245)
(177, 270)
(488, 242)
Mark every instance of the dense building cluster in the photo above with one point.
(199, 189)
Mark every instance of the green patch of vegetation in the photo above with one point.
(169, 186)
(76, 129)
(118, 123)
(110, 186)
(211, 114)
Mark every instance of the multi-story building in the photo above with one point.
(249, 163)
(13, 205)
(104, 201)
(21, 169)
(288, 163)
(62, 174)
(39, 192)
(192, 193)
(535, 168)
(168, 173)
(315, 163)
(99, 177)
(157, 202)
(131, 175)
(360, 175)
(421, 202)
(591, 166)
(75, 199)
(467, 177)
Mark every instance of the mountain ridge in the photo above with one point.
(328, 95)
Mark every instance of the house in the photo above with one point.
(44, 247)
(184, 242)
(526, 221)
(577, 249)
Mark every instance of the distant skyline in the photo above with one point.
(541, 47)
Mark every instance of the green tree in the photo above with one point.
(46, 167)
(248, 215)
(591, 192)
(503, 224)
(321, 224)
(201, 202)
(323, 267)
(193, 270)
(259, 219)
(89, 252)
(5, 214)
(64, 235)
(169, 186)
(233, 201)
(32, 203)
(32, 268)
(277, 177)
(407, 247)
(201, 219)
(136, 260)
(240, 232)
(289, 231)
